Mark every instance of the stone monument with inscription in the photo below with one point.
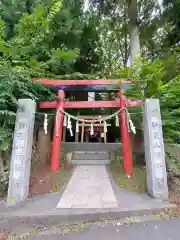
(154, 151)
(21, 152)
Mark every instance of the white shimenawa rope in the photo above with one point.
(45, 123)
(99, 120)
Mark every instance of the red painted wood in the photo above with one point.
(94, 104)
(135, 103)
(126, 140)
(82, 104)
(50, 105)
(56, 146)
(52, 82)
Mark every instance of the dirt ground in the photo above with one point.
(44, 181)
(174, 195)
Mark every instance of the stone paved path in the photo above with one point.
(89, 187)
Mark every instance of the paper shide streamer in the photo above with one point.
(45, 123)
(132, 127)
(69, 126)
(105, 127)
(117, 121)
(65, 121)
(77, 126)
(92, 129)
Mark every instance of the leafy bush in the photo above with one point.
(151, 82)
(14, 84)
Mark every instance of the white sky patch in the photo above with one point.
(160, 2)
(86, 5)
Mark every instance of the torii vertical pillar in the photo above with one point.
(126, 140)
(58, 128)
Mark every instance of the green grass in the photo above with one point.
(137, 183)
(60, 178)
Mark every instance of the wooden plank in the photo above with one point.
(82, 134)
(52, 82)
(105, 137)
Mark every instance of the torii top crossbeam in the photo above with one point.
(85, 85)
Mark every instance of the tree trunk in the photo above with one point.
(1, 166)
(133, 31)
(126, 51)
(44, 146)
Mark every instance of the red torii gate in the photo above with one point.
(122, 102)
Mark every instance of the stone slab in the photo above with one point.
(21, 152)
(88, 189)
(154, 151)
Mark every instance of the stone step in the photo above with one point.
(78, 146)
(91, 152)
(90, 162)
(90, 156)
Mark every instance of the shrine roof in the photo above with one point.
(85, 85)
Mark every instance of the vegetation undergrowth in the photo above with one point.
(137, 183)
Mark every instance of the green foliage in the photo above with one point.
(14, 84)
(152, 82)
(54, 9)
(31, 40)
(111, 51)
(172, 15)
(62, 61)
(169, 95)
(172, 158)
(147, 76)
(2, 36)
